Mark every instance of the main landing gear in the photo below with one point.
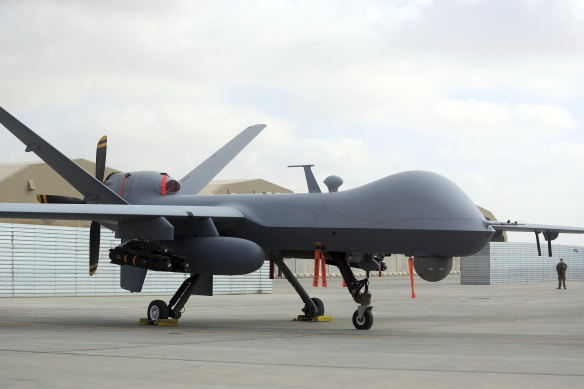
(158, 309)
(362, 318)
(313, 307)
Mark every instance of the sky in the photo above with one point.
(489, 94)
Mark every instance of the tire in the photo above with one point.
(157, 310)
(367, 321)
(319, 304)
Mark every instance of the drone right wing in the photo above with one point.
(200, 176)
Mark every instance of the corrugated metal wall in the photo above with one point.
(476, 269)
(519, 262)
(53, 260)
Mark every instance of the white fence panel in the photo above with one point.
(500, 262)
(54, 260)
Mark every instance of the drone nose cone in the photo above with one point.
(413, 200)
(436, 196)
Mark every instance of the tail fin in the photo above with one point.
(310, 180)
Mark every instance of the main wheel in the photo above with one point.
(365, 323)
(319, 304)
(157, 310)
(308, 310)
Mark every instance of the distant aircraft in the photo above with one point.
(165, 226)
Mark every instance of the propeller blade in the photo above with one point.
(94, 238)
(95, 229)
(54, 199)
(100, 155)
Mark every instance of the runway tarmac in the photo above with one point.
(451, 335)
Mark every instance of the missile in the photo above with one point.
(120, 256)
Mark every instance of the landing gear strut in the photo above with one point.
(362, 318)
(158, 309)
(313, 307)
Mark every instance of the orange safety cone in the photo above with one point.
(319, 268)
(316, 268)
(323, 269)
(411, 267)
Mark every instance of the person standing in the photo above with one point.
(561, 268)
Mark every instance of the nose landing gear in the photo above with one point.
(362, 318)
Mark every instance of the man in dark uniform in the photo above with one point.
(561, 268)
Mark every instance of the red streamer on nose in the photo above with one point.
(411, 267)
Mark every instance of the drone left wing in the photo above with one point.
(131, 221)
(520, 227)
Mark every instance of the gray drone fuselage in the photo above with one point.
(414, 213)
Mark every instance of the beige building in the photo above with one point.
(21, 182)
(256, 185)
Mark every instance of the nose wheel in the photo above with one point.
(364, 322)
(359, 289)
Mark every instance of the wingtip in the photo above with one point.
(258, 127)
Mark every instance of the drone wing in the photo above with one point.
(131, 221)
(520, 227)
(200, 176)
(92, 188)
(549, 232)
